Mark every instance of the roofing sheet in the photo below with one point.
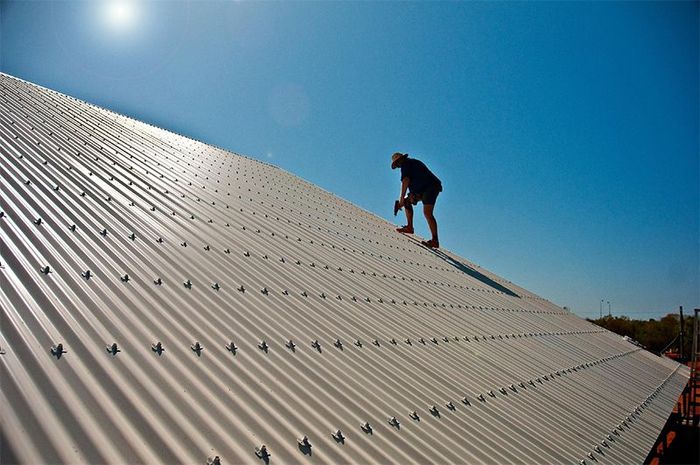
(166, 301)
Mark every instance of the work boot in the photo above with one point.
(405, 229)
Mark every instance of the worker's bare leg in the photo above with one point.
(409, 213)
(432, 223)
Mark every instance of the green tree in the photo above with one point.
(652, 334)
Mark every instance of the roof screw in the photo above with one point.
(227, 250)
(421, 340)
(466, 401)
(87, 274)
(132, 236)
(197, 349)
(358, 343)
(481, 397)
(446, 339)
(188, 284)
(184, 243)
(393, 341)
(285, 292)
(72, 227)
(316, 345)
(263, 346)
(158, 348)
(215, 286)
(125, 278)
(113, 349)
(37, 222)
(264, 291)
(57, 350)
(246, 254)
(435, 341)
(598, 449)
(338, 343)
(450, 406)
(408, 341)
(262, 453)
(214, 461)
(206, 247)
(503, 391)
(304, 442)
(290, 345)
(158, 282)
(413, 415)
(231, 347)
(582, 462)
(46, 270)
(103, 233)
(159, 240)
(338, 436)
(513, 388)
(434, 410)
(304, 294)
(241, 288)
(591, 456)
(366, 427)
(394, 422)
(323, 295)
(375, 342)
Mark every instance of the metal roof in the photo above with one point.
(167, 301)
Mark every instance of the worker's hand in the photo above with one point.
(401, 202)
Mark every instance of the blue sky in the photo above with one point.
(565, 134)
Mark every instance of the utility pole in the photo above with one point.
(609, 310)
(601, 309)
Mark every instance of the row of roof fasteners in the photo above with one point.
(198, 348)
(87, 274)
(113, 349)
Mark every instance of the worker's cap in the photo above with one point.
(396, 157)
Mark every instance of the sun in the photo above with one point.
(120, 14)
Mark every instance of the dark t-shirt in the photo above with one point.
(420, 177)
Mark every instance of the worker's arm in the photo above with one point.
(404, 187)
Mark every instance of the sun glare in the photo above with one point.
(120, 14)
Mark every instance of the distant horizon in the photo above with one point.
(565, 134)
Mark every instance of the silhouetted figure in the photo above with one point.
(422, 186)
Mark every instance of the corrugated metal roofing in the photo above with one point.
(166, 301)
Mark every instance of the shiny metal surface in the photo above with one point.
(207, 304)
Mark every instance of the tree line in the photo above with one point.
(654, 335)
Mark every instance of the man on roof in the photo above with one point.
(422, 186)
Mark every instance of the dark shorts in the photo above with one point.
(429, 196)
